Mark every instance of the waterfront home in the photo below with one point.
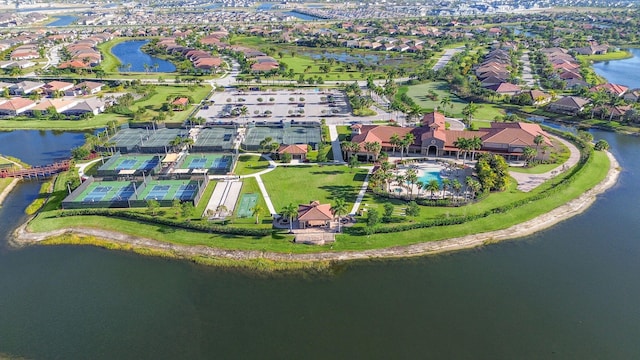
(88, 106)
(60, 105)
(16, 106)
(570, 105)
(632, 96)
(613, 89)
(538, 97)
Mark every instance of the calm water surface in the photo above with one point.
(129, 52)
(571, 292)
(63, 20)
(624, 72)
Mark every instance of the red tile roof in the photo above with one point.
(314, 211)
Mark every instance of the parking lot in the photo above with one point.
(304, 105)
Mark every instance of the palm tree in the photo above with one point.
(433, 186)
(256, 211)
(474, 185)
(411, 176)
(468, 111)
(446, 101)
(407, 140)
(446, 183)
(475, 144)
(463, 144)
(529, 154)
(290, 212)
(373, 147)
(394, 141)
(339, 208)
(456, 186)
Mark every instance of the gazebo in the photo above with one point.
(314, 214)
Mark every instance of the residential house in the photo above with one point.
(613, 89)
(26, 87)
(88, 106)
(85, 88)
(56, 86)
(570, 105)
(632, 96)
(16, 106)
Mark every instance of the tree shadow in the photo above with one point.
(346, 192)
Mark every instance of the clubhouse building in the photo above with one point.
(431, 138)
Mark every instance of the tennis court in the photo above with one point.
(126, 140)
(285, 133)
(215, 139)
(246, 203)
(140, 163)
(216, 163)
(160, 140)
(107, 191)
(170, 190)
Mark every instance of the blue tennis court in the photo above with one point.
(97, 194)
(125, 193)
(149, 164)
(197, 163)
(158, 192)
(127, 164)
(186, 192)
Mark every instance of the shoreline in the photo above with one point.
(22, 237)
(8, 189)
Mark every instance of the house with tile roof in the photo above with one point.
(432, 138)
(613, 89)
(570, 105)
(297, 151)
(16, 106)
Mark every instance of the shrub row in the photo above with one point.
(198, 226)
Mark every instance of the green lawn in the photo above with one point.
(154, 103)
(344, 132)
(97, 121)
(4, 161)
(419, 94)
(4, 182)
(302, 184)
(309, 67)
(612, 55)
(250, 164)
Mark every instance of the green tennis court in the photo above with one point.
(246, 203)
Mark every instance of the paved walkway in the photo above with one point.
(528, 182)
(83, 166)
(446, 57)
(363, 190)
(335, 144)
(265, 195)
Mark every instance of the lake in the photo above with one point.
(570, 292)
(302, 16)
(63, 20)
(129, 52)
(623, 72)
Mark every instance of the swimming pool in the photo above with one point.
(430, 174)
